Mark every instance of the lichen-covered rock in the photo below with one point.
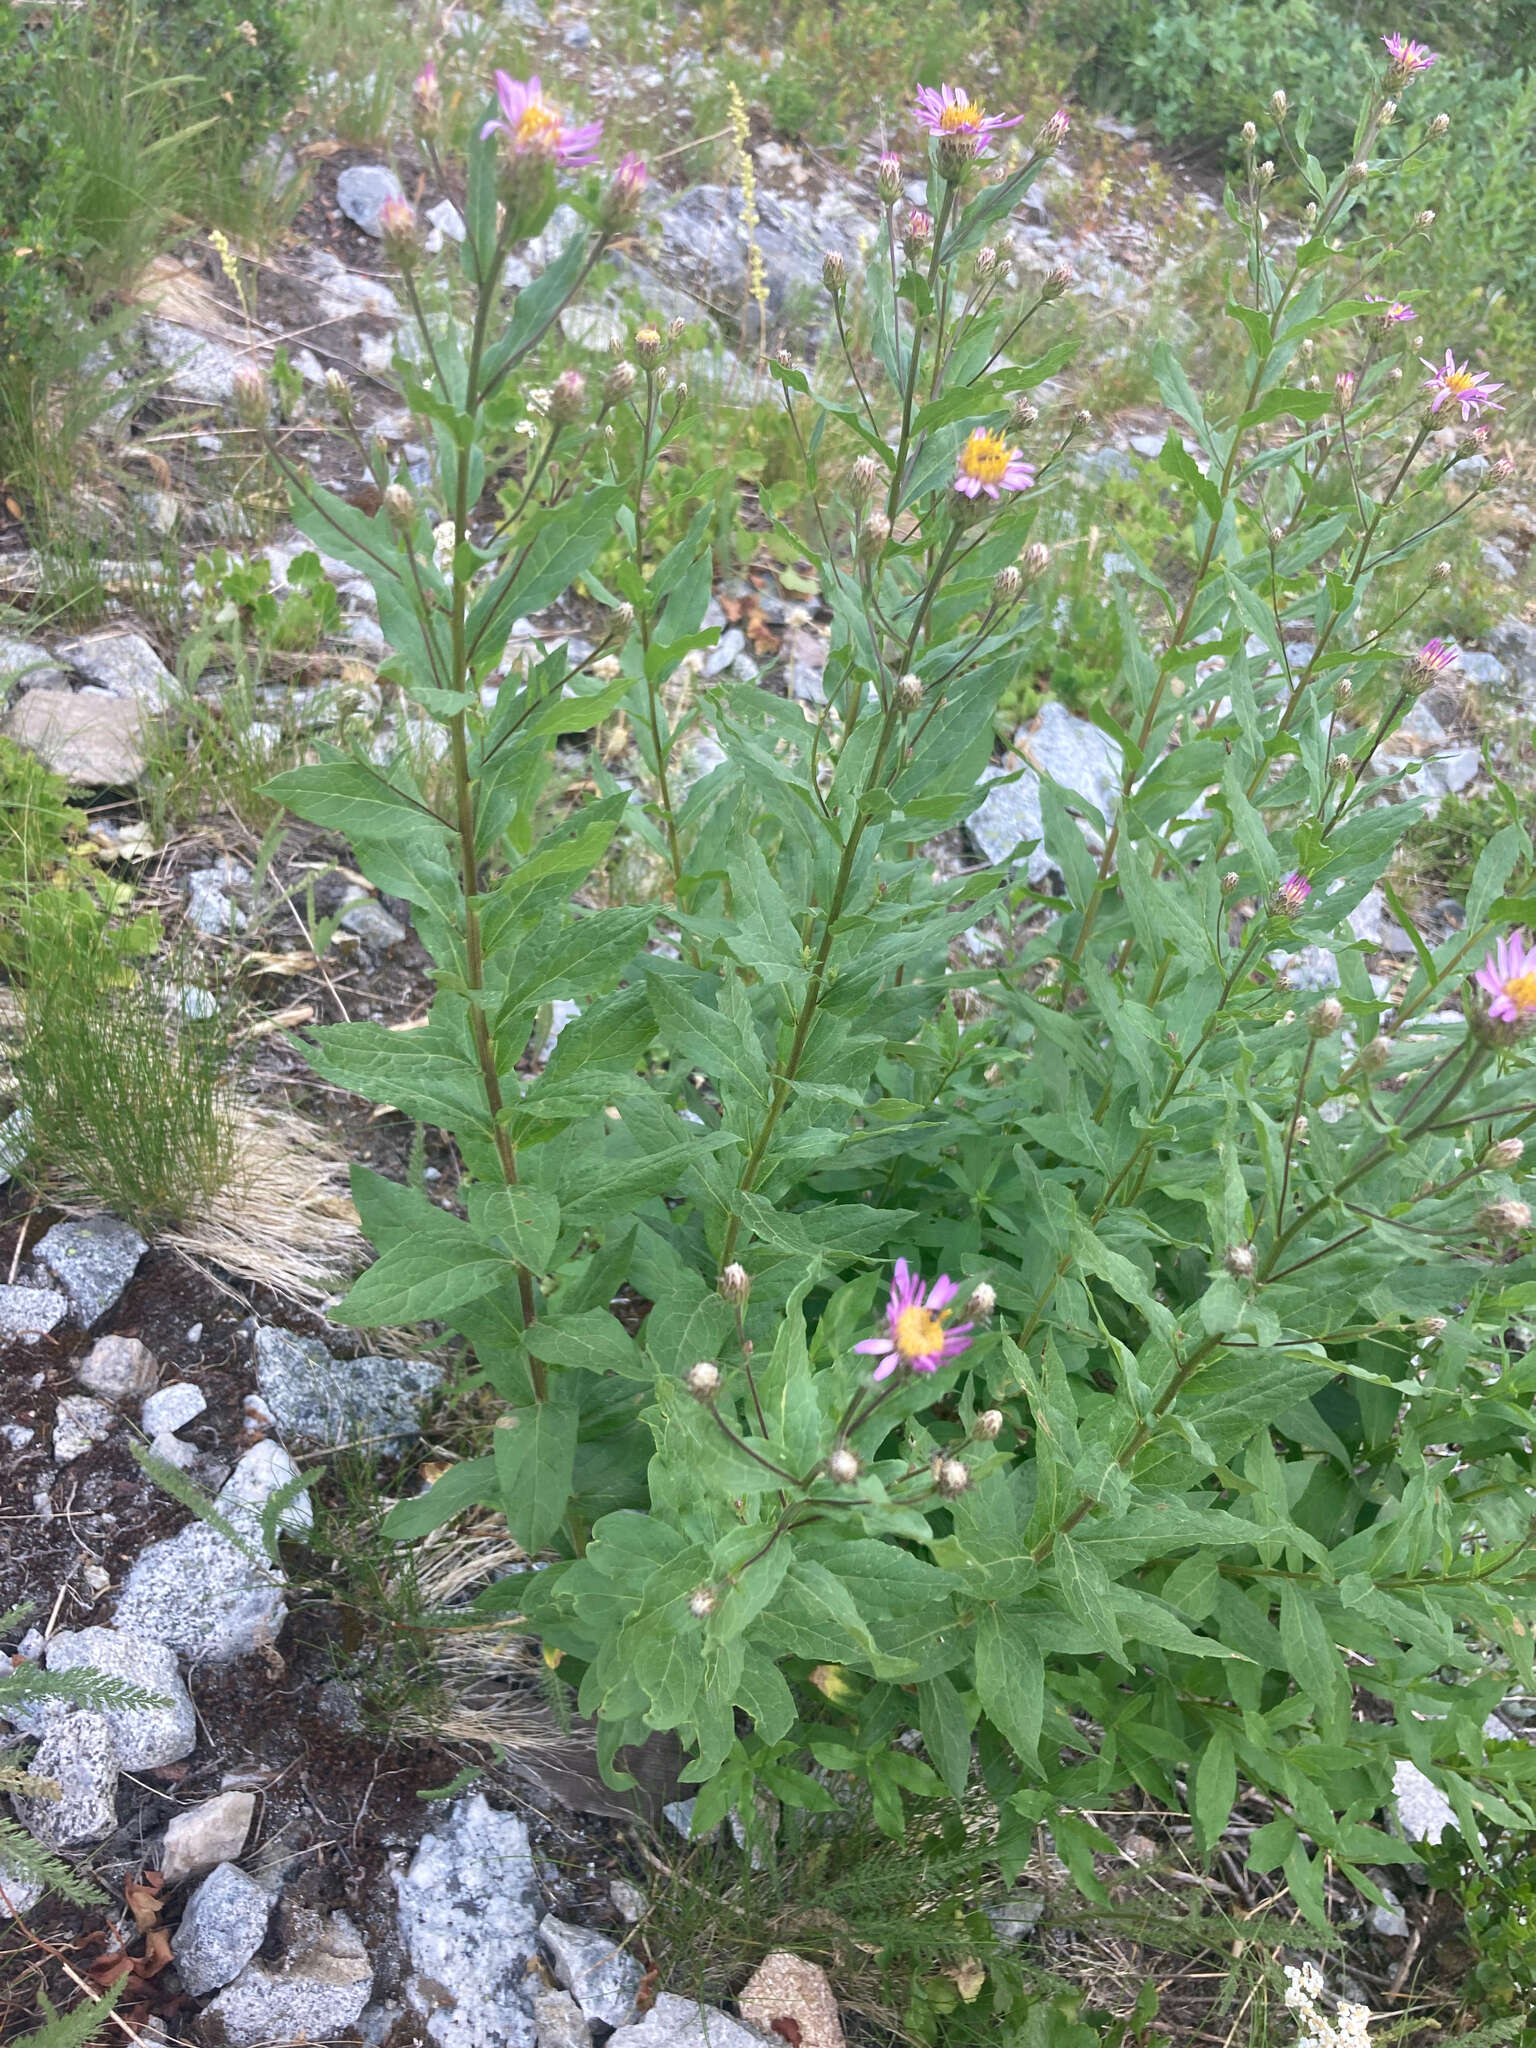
(316, 1398)
(93, 1261)
(684, 2023)
(602, 1977)
(469, 1909)
(149, 1736)
(78, 1753)
(173, 1407)
(312, 1994)
(224, 1924)
(80, 1423)
(30, 1312)
(199, 1593)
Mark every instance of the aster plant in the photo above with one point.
(1098, 1358)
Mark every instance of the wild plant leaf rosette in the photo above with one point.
(1249, 1437)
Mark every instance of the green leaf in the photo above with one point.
(425, 1278)
(592, 1340)
(356, 800)
(470, 1484)
(946, 1732)
(763, 1693)
(1284, 400)
(524, 1222)
(1085, 1588)
(535, 1451)
(1010, 1679)
(1213, 1788)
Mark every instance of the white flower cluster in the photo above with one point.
(1303, 1988)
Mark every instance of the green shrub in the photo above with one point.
(1249, 1436)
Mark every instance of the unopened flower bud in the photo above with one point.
(1279, 105)
(400, 505)
(1309, 214)
(1344, 389)
(1023, 415)
(400, 231)
(1314, 382)
(1266, 172)
(427, 94)
(626, 191)
(618, 383)
(917, 231)
(1082, 420)
(1388, 113)
(1239, 1261)
(834, 271)
(1006, 585)
(873, 535)
(1357, 174)
(1340, 765)
(1395, 374)
(1374, 1055)
(1440, 125)
(623, 619)
(1500, 470)
(1230, 882)
(988, 1425)
(985, 263)
(252, 399)
(909, 693)
(1502, 1155)
(952, 1478)
(649, 347)
(702, 1602)
(1035, 560)
(1055, 131)
(1300, 1129)
(1504, 1219)
(868, 475)
(843, 1466)
(784, 359)
(1250, 135)
(734, 1284)
(1431, 1327)
(1326, 1017)
(702, 1380)
(568, 397)
(982, 1302)
(1343, 690)
(888, 180)
(1425, 221)
(1441, 573)
(1058, 280)
(338, 391)
(1277, 536)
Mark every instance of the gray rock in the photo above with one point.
(469, 1908)
(175, 1450)
(1074, 754)
(447, 219)
(199, 367)
(147, 1736)
(684, 2023)
(173, 1407)
(17, 1435)
(93, 741)
(28, 665)
(80, 1423)
(363, 191)
(204, 1597)
(1511, 640)
(124, 665)
(117, 1368)
(1018, 1915)
(703, 242)
(1499, 561)
(1368, 919)
(312, 1994)
(78, 1753)
(602, 1977)
(719, 658)
(18, 1892)
(209, 908)
(202, 1837)
(628, 1900)
(558, 2021)
(1389, 1919)
(371, 922)
(320, 1399)
(30, 1312)
(522, 14)
(93, 1262)
(223, 1926)
(805, 661)
(1423, 1811)
(1009, 812)
(1486, 670)
(578, 35)
(1311, 968)
(265, 1470)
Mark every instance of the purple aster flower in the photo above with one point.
(951, 115)
(1393, 311)
(1291, 894)
(535, 128)
(1461, 385)
(1431, 662)
(626, 191)
(1407, 55)
(915, 1319)
(1508, 978)
(988, 464)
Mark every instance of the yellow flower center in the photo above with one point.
(1459, 381)
(985, 456)
(537, 126)
(918, 1332)
(966, 115)
(1521, 989)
